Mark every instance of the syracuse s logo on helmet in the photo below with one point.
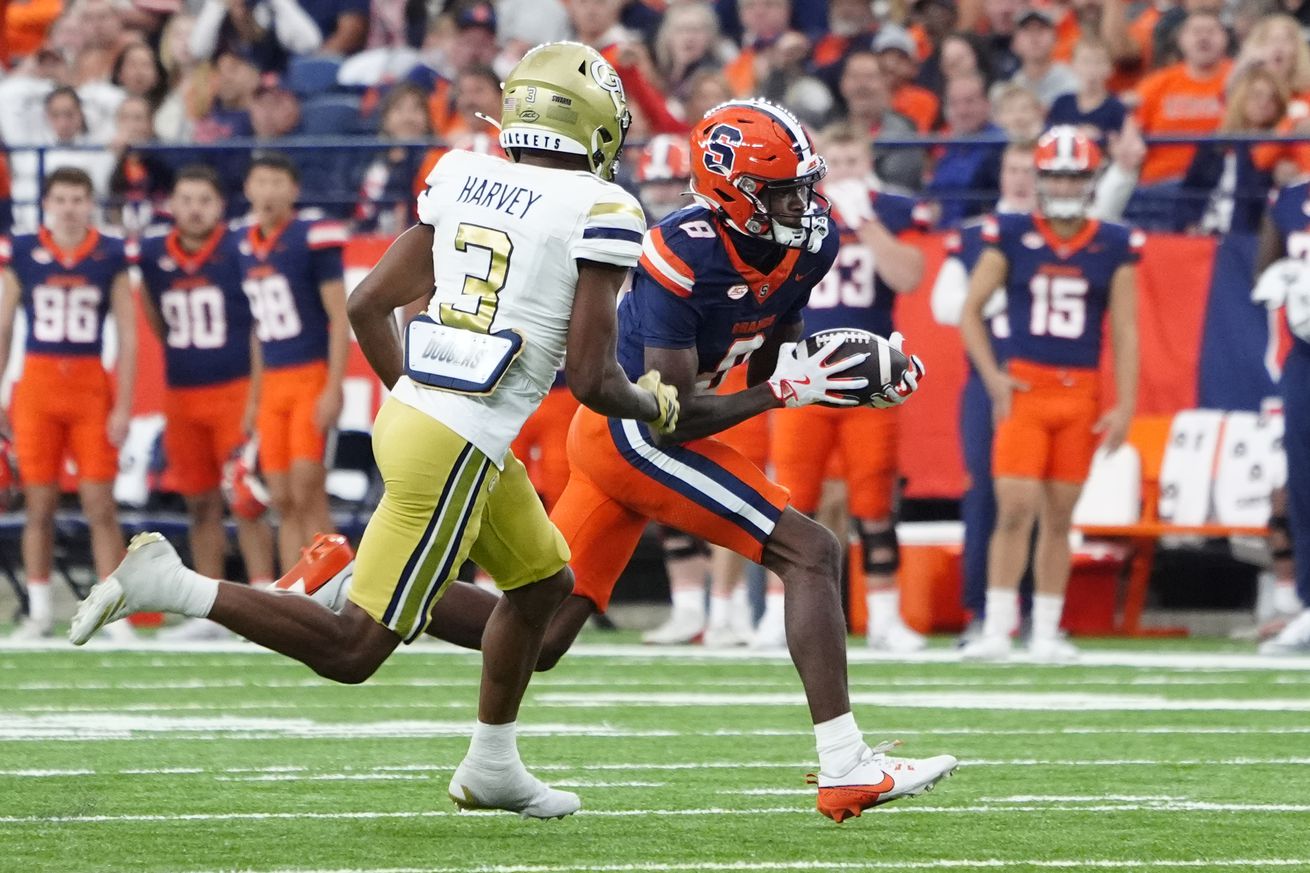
(719, 152)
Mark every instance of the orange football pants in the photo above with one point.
(288, 397)
(619, 479)
(864, 440)
(202, 430)
(547, 432)
(1048, 434)
(61, 407)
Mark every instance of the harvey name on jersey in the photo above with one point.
(1057, 290)
(507, 239)
(720, 292)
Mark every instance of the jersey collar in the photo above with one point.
(761, 285)
(1062, 247)
(69, 259)
(191, 262)
(263, 246)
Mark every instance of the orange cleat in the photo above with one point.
(323, 571)
(877, 779)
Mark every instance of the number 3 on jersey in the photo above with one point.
(474, 307)
(1059, 306)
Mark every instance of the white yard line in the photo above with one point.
(826, 865)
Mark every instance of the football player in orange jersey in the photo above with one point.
(67, 278)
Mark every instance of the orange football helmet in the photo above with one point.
(242, 487)
(1067, 166)
(747, 155)
(662, 175)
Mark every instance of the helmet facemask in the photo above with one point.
(787, 227)
(1065, 195)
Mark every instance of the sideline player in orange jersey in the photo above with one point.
(873, 266)
(1062, 272)
(67, 278)
(292, 274)
(194, 302)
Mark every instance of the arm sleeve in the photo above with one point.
(612, 231)
(204, 33)
(651, 102)
(669, 321)
(895, 212)
(294, 27)
(1113, 191)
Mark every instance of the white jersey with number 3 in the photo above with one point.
(507, 238)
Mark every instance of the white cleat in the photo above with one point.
(1052, 650)
(724, 637)
(681, 628)
(1291, 640)
(513, 789)
(29, 629)
(986, 647)
(898, 640)
(877, 779)
(194, 630)
(145, 581)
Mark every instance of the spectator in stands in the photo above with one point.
(103, 39)
(1276, 44)
(1018, 112)
(26, 27)
(1092, 107)
(64, 124)
(188, 80)
(343, 24)
(851, 26)
(466, 42)
(705, 90)
(235, 79)
(274, 109)
(396, 24)
(688, 42)
(785, 80)
(932, 21)
(1186, 98)
(140, 182)
(863, 87)
(139, 73)
(898, 56)
(270, 31)
(1034, 45)
(965, 53)
(965, 176)
(23, 93)
(1000, 18)
(1226, 188)
(386, 186)
(596, 23)
(525, 23)
(763, 23)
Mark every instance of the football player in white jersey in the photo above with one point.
(526, 256)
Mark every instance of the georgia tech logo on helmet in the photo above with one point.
(606, 76)
(719, 152)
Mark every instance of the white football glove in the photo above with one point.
(850, 199)
(800, 378)
(895, 395)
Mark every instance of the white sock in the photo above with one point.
(494, 745)
(774, 607)
(689, 601)
(1285, 600)
(884, 610)
(1002, 612)
(1047, 610)
(720, 610)
(840, 744)
(38, 601)
(195, 594)
(739, 606)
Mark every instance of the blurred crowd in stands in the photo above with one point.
(138, 78)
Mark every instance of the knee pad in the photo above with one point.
(882, 551)
(679, 546)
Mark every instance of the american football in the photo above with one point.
(884, 366)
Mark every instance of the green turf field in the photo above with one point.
(1159, 756)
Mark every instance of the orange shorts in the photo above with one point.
(751, 437)
(285, 421)
(203, 430)
(542, 445)
(806, 440)
(61, 407)
(1048, 434)
(619, 480)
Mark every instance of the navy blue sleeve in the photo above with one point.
(669, 321)
(327, 264)
(895, 212)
